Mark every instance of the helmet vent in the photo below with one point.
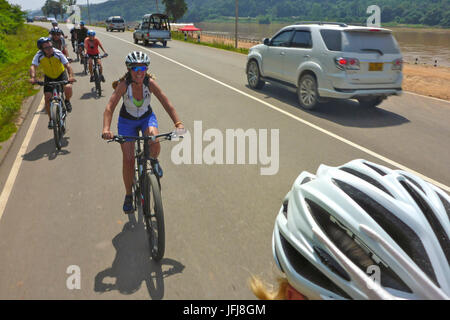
(331, 263)
(285, 208)
(367, 179)
(432, 219)
(414, 182)
(378, 170)
(403, 235)
(306, 269)
(446, 205)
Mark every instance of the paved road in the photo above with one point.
(64, 208)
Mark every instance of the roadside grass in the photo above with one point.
(14, 75)
(215, 44)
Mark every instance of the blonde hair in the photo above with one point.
(263, 291)
(127, 75)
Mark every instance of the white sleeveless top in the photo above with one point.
(130, 111)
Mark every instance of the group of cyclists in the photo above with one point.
(53, 57)
(135, 87)
(331, 226)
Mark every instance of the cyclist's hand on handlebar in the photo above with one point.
(107, 135)
(72, 80)
(32, 80)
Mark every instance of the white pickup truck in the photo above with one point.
(153, 28)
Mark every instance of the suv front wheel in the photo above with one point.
(308, 97)
(253, 75)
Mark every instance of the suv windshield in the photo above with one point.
(360, 42)
(369, 42)
(117, 20)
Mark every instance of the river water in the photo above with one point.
(427, 45)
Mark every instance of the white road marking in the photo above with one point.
(421, 95)
(18, 162)
(350, 143)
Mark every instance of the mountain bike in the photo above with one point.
(147, 190)
(58, 112)
(96, 71)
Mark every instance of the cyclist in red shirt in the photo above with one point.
(91, 44)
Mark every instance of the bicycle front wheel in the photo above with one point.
(154, 217)
(98, 86)
(55, 115)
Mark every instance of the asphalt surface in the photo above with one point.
(65, 208)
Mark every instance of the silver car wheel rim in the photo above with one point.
(307, 92)
(253, 74)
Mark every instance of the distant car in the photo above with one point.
(154, 27)
(29, 19)
(115, 23)
(329, 60)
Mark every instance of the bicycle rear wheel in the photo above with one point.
(55, 115)
(154, 217)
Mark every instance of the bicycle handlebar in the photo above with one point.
(53, 83)
(165, 136)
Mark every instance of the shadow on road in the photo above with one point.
(47, 149)
(133, 264)
(89, 95)
(344, 112)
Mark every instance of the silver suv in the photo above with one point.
(115, 23)
(329, 60)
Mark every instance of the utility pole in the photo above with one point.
(236, 25)
(89, 15)
(157, 10)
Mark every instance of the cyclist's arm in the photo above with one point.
(100, 45)
(33, 73)
(156, 90)
(110, 107)
(70, 71)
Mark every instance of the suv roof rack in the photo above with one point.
(341, 24)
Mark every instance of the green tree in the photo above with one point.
(175, 9)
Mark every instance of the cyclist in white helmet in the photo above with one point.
(361, 231)
(136, 113)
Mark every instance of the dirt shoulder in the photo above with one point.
(427, 80)
(422, 79)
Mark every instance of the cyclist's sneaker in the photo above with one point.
(68, 106)
(128, 204)
(156, 167)
(51, 124)
(102, 78)
(92, 79)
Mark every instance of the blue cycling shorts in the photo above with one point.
(127, 127)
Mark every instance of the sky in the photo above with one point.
(37, 4)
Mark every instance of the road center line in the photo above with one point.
(348, 142)
(6, 192)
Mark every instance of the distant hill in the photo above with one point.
(432, 12)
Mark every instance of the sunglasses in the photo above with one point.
(45, 48)
(141, 68)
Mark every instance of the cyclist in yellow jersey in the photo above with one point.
(54, 65)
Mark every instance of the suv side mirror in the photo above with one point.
(266, 41)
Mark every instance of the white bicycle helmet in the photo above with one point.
(137, 57)
(339, 228)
